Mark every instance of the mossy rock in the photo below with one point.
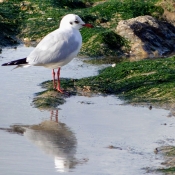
(102, 42)
(50, 98)
(145, 81)
(142, 81)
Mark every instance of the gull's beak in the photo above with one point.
(88, 25)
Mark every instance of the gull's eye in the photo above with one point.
(76, 21)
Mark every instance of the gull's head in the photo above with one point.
(73, 21)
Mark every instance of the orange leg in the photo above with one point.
(53, 75)
(52, 115)
(58, 81)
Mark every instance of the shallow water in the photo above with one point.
(87, 135)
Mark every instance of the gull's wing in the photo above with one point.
(55, 47)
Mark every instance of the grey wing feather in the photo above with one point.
(52, 49)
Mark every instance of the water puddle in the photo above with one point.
(86, 135)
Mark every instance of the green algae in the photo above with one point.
(167, 170)
(168, 153)
(141, 81)
(34, 19)
(145, 81)
(9, 25)
(48, 99)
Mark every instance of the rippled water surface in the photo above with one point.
(86, 135)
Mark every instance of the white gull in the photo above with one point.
(57, 48)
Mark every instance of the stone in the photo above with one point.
(148, 36)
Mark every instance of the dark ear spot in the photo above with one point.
(71, 23)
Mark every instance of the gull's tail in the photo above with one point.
(20, 62)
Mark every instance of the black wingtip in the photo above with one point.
(5, 64)
(15, 62)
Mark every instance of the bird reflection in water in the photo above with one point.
(54, 138)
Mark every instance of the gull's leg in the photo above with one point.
(58, 81)
(52, 115)
(56, 116)
(53, 75)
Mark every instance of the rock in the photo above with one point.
(168, 7)
(148, 36)
(169, 16)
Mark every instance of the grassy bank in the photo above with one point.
(141, 81)
(147, 81)
(31, 20)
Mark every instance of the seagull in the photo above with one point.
(57, 48)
